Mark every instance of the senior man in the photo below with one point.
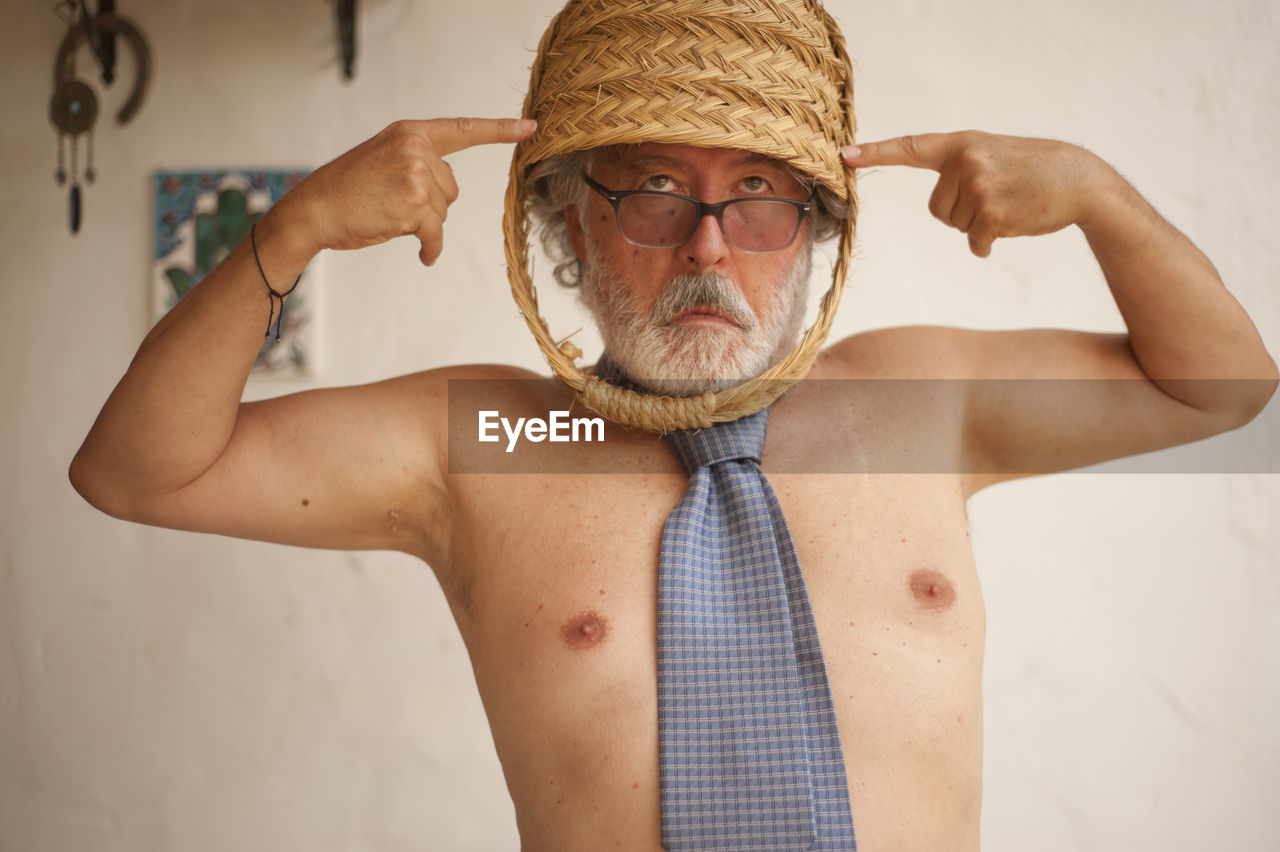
(694, 259)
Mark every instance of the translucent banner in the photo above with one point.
(921, 426)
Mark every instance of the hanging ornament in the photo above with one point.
(346, 10)
(73, 109)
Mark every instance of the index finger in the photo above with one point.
(923, 151)
(449, 135)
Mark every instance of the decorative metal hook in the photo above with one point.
(99, 30)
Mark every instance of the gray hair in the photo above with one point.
(556, 183)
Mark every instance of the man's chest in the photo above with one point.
(566, 567)
(555, 594)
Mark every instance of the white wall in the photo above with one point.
(171, 691)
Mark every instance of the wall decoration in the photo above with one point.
(73, 109)
(346, 10)
(199, 218)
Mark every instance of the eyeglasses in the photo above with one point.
(666, 219)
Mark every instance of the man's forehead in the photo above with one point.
(650, 154)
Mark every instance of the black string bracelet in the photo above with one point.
(272, 295)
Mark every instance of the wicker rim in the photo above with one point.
(666, 413)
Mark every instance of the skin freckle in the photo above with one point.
(306, 502)
(932, 590)
(584, 630)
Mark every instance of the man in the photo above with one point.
(552, 579)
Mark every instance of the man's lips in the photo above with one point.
(704, 315)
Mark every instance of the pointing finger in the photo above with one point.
(449, 135)
(924, 151)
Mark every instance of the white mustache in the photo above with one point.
(691, 290)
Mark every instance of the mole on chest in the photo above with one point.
(932, 590)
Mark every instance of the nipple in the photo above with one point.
(932, 590)
(584, 630)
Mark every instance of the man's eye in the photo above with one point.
(755, 183)
(658, 183)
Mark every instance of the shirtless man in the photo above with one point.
(886, 558)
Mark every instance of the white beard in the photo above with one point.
(687, 360)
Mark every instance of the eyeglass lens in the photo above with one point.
(663, 221)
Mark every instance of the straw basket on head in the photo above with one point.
(768, 76)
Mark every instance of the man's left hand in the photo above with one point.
(994, 186)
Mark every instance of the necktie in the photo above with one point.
(749, 750)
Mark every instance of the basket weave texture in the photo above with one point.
(768, 76)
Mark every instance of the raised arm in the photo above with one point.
(1194, 360)
(174, 446)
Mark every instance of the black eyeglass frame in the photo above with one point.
(713, 209)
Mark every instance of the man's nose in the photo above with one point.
(706, 248)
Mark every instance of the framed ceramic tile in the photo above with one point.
(200, 216)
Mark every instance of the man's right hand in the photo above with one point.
(395, 184)
(174, 445)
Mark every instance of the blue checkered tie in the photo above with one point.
(750, 753)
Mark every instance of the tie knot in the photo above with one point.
(738, 439)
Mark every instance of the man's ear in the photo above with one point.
(577, 237)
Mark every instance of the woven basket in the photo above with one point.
(768, 76)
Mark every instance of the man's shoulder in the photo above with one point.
(503, 385)
(478, 372)
(437, 379)
(902, 352)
